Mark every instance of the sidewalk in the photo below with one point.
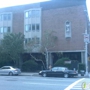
(79, 76)
(29, 74)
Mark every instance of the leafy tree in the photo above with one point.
(12, 45)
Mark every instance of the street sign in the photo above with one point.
(86, 38)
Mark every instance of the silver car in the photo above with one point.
(9, 70)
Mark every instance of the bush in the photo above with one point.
(61, 61)
(68, 66)
(29, 66)
(81, 67)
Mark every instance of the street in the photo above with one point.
(37, 83)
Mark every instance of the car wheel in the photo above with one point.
(10, 74)
(66, 75)
(44, 74)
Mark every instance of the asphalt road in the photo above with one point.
(35, 83)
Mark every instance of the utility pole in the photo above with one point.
(86, 40)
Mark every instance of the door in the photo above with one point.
(4, 70)
(55, 71)
(60, 71)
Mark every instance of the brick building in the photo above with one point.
(66, 17)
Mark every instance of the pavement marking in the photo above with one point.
(73, 84)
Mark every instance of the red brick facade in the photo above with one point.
(54, 19)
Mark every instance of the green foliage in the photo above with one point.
(61, 62)
(6, 63)
(29, 66)
(81, 67)
(13, 43)
(68, 66)
(12, 46)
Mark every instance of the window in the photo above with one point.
(8, 29)
(37, 40)
(67, 29)
(33, 40)
(8, 16)
(33, 27)
(5, 17)
(37, 27)
(29, 40)
(28, 27)
(1, 17)
(5, 29)
(54, 69)
(35, 13)
(1, 29)
(26, 15)
(26, 40)
(5, 68)
(32, 13)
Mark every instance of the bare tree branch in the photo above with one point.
(37, 60)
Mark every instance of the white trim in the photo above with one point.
(66, 34)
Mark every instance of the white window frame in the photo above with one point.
(67, 31)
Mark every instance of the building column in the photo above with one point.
(83, 57)
(50, 59)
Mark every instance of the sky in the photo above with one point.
(88, 7)
(6, 3)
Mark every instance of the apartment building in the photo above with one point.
(66, 17)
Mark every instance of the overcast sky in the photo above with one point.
(6, 3)
(88, 7)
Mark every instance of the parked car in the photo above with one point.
(59, 71)
(9, 70)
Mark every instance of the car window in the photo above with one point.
(61, 69)
(5, 68)
(54, 69)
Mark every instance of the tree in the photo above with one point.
(12, 45)
(48, 42)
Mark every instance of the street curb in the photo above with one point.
(29, 74)
(36, 74)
